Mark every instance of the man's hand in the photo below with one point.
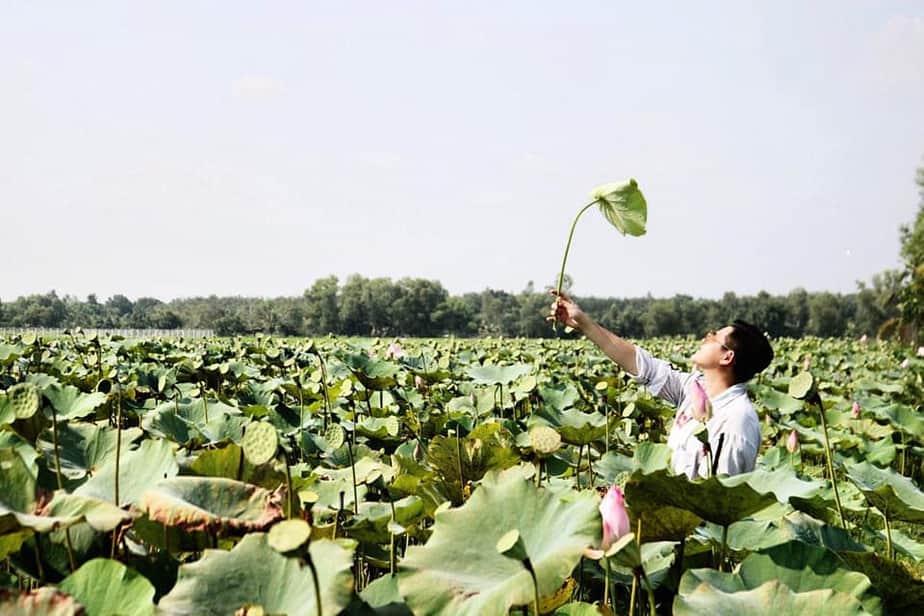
(565, 310)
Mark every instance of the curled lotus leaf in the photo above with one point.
(497, 375)
(212, 504)
(84, 448)
(260, 443)
(71, 403)
(555, 530)
(623, 205)
(381, 428)
(788, 577)
(107, 587)
(896, 496)
(45, 601)
(253, 573)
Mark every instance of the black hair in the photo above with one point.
(752, 350)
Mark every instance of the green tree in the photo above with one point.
(322, 315)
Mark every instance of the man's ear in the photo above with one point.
(728, 358)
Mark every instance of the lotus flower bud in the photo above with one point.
(863, 339)
(419, 382)
(792, 442)
(921, 351)
(807, 364)
(855, 411)
(615, 517)
(906, 364)
(700, 402)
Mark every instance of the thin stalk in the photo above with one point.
(651, 598)
(391, 547)
(577, 471)
(459, 460)
(888, 529)
(317, 586)
(606, 590)
(724, 546)
(632, 594)
(289, 486)
(353, 469)
(824, 425)
(118, 442)
(532, 574)
(324, 389)
(564, 260)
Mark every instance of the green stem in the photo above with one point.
(564, 260)
(532, 574)
(317, 586)
(824, 425)
(289, 487)
(118, 441)
(888, 529)
(724, 547)
(353, 469)
(651, 598)
(632, 595)
(577, 470)
(606, 590)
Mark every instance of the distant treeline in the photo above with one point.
(423, 308)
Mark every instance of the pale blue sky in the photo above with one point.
(243, 148)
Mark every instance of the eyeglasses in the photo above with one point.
(713, 336)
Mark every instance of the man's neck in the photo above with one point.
(717, 381)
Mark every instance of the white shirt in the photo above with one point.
(734, 420)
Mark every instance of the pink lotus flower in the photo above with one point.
(855, 411)
(792, 442)
(615, 517)
(394, 351)
(700, 402)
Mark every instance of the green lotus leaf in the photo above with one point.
(894, 495)
(254, 573)
(70, 403)
(478, 580)
(560, 398)
(381, 428)
(772, 399)
(138, 470)
(900, 416)
(109, 588)
(99, 515)
(497, 375)
(489, 446)
(623, 205)
(575, 427)
(722, 500)
(769, 599)
(578, 609)
(211, 504)
(194, 420)
(786, 577)
(84, 448)
(656, 557)
(901, 588)
(821, 504)
(383, 593)
(45, 601)
(371, 524)
(17, 483)
(751, 535)
(260, 443)
(376, 374)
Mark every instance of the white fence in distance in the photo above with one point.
(125, 333)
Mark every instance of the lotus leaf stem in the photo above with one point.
(532, 573)
(353, 470)
(608, 597)
(285, 457)
(724, 547)
(651, 598)
(577, 469)
(888, 530)
(317, 586)
(561, 274)
(824, 425)
(632, 594)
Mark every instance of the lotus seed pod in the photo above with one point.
(259, 443)
(288, 535)
(25, 400)
(544, 440)
(334, 436)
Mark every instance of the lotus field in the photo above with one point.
(272, 476)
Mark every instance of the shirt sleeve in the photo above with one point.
(659, 377)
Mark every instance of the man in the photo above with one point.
(725, 361)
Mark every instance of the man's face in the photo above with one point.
(713, 352)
